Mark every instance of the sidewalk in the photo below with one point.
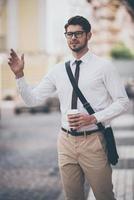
(123, 172)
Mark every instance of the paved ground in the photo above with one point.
(28, 158)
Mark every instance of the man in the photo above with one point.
(80, 156)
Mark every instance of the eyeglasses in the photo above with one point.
(77, 34)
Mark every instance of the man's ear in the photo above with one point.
(89, 35)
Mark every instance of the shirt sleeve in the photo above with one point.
(116, 90)
(34, 96)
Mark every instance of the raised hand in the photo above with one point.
(16, 64)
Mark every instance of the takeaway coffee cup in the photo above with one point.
(73, 112)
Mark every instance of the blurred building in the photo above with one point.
(111, 24)
(24, 27)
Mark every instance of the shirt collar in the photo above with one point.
(84, 58)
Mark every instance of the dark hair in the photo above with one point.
(79, 20)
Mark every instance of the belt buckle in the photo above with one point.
(67, 132)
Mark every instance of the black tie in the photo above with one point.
(76, 76)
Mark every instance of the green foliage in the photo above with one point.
(120, 51)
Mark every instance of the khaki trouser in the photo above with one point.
(84, 156)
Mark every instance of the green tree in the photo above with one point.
(120, 51)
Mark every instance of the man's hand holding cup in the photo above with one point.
(77, 120)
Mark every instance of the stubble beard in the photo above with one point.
(78, 49)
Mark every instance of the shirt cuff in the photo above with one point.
(98, 117)
(21, 83)
(19, 79)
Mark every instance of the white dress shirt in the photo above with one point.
(98, 81)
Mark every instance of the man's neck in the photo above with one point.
(78, 55)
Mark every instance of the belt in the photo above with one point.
(82, 133)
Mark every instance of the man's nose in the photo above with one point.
(73, 36)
